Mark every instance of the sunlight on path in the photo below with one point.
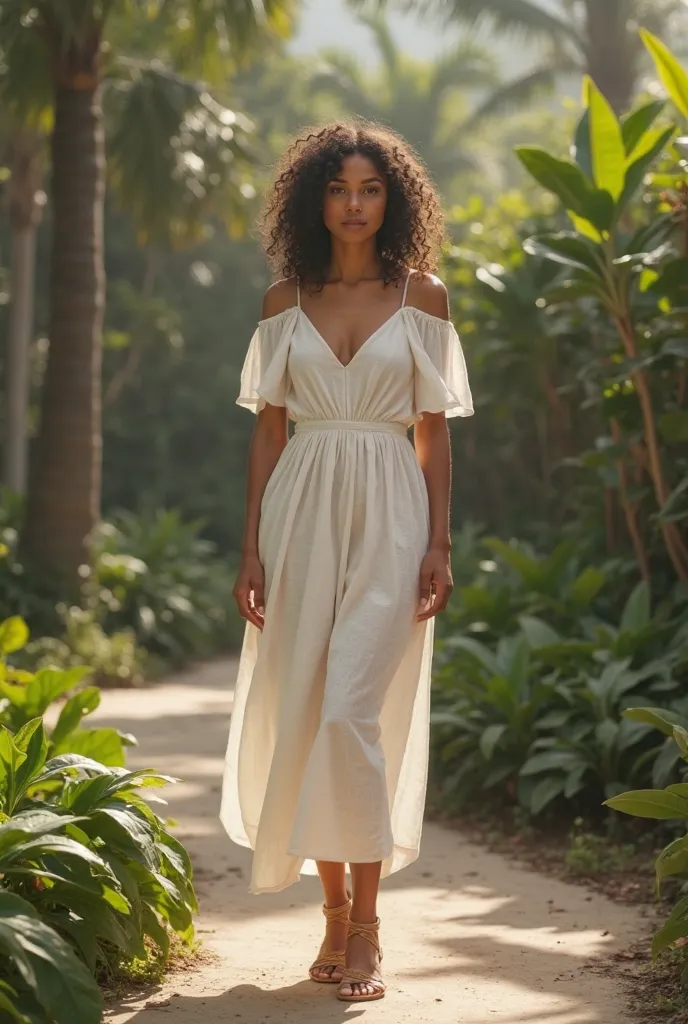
(468, 937)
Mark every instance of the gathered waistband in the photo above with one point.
(376, 426)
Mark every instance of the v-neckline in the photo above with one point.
(340, 364)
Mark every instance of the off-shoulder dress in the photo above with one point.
(328, 742)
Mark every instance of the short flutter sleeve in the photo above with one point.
(265, 376)
(441, 380)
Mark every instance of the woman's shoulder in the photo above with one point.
(428, 294)
(279, 297)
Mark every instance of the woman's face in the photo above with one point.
(355, 201)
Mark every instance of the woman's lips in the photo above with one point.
(353, 223)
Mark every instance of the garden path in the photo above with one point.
(469, 937)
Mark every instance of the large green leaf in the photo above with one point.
(545, 791)
(649, 803)
(104, 745)
(636, 124)
(74, 710)
(567, 181)
(637, 611)
(490, 738)
(33, 742)
(676, 505)
(638, 168)
(673, 76)
(551, 760)
(568, 249)
(587, 586)
(607, 150)
(661, 718)
(675, 927)
(49, 684)
(65, 764)
(47, 965)
(538, 633)
(13, 635)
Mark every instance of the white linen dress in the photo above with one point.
(328, 743)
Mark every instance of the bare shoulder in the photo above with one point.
(427, 293)
(280, 296)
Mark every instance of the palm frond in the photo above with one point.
(342, 77)
(468, 65)
(204, 33)
(527, 18)
(516, 93)
(384, 40)
(176, 156)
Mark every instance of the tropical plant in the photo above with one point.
(634, 275)
(531, 684)
(155, 575)
(583, 36)
(26, 696)
(421, 101)
(68, 39)
(485, 712)
(669, 804)
(89, 872)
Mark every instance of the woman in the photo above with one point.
(346, 548)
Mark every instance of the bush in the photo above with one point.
(669, 804)
(156, 576)
(538, 712)
(158, 596)
(89, 872)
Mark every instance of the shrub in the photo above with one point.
(669, 804)
(539, 712)
(89, 873)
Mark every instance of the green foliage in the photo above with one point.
(89, 872)
(533, 677)
(158, 577)
(618, 269)
(669, 804)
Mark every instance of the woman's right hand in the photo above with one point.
(249, 590)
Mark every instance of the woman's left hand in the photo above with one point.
(436, 583)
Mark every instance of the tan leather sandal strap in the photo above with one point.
(361, 976)
(335, 959)
(338, 913)
(369, 932)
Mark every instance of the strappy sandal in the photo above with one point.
(369, 932)
(334, 958)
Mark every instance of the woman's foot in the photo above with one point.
(329, 966)
(362, 979)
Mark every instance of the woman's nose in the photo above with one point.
(354, 203)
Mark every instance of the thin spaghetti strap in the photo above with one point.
(298, 293)
(403, 297)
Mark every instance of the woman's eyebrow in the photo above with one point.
(366, 181)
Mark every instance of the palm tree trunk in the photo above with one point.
(612, 50)
(19, 341)
(64, 478)
(25, 208)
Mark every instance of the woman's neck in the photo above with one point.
(350, 264)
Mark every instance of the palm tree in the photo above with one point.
(413, 98)
(70, 36)
(599, 37)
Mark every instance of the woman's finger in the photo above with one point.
(246, 609)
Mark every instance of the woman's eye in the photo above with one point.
(373, 190)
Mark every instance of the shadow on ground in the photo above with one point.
(467, 935)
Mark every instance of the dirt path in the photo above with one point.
(469, 938)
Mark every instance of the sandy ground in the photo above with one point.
(469, 938)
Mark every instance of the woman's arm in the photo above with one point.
(431, 441)
(267, 444)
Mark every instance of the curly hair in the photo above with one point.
(294, 235)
